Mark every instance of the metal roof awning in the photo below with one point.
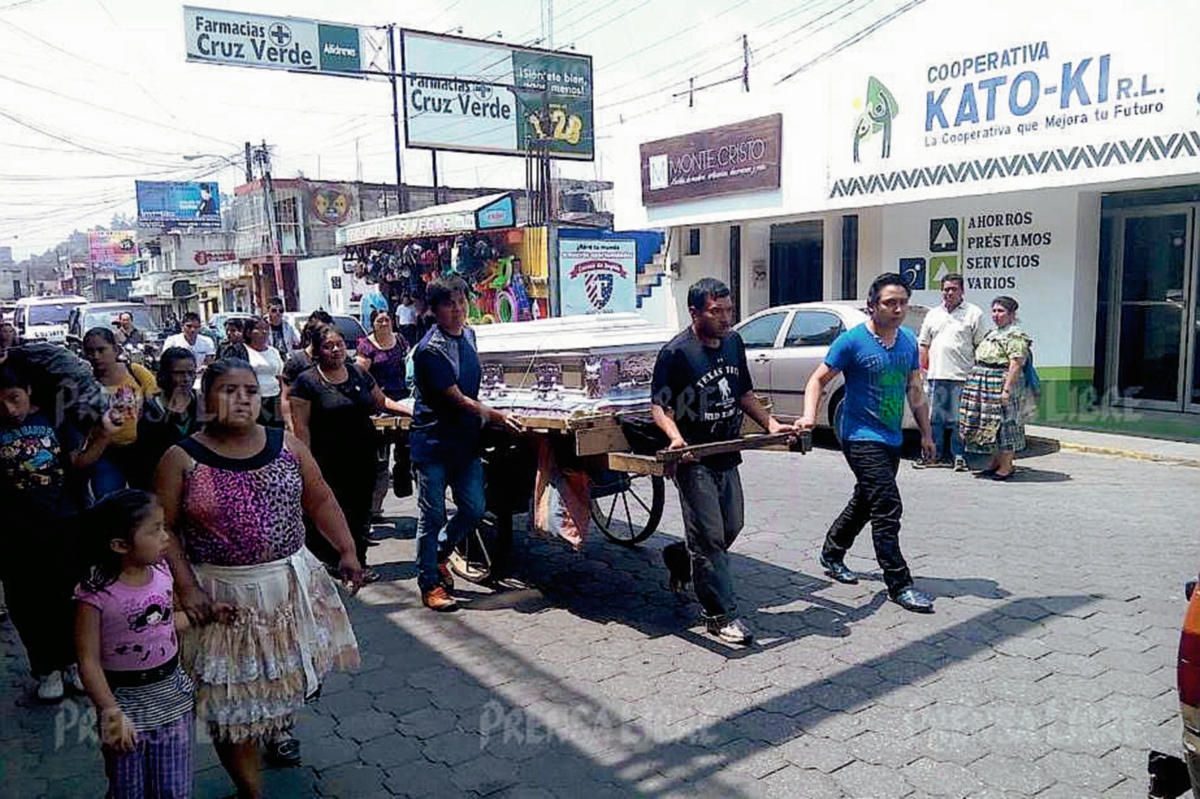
(490, 212)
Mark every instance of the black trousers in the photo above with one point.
(39, 589)
(876, 499)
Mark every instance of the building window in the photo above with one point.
(693, 244)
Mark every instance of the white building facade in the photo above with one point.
(1049, 151)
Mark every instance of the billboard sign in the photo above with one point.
(167, 204)
(486, 97)
(733, 158)
(597, 276)
(113, 252)
(257, 40)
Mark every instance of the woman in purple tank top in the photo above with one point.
(233, 497)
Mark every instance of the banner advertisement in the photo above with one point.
(597, 276)
(257, 40)
(167, 204)
(334, 203)
(113, 252)
(487, 97)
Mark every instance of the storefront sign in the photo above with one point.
(708, 163)
(1023, 247)
(403, 227)
(991, 109)
(500, 214)
(597, 276)
(256, 40)
(486, 97)
(205, 257)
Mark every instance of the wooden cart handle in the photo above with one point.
(802, 443)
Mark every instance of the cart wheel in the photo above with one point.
(631, 515)
(472, 558)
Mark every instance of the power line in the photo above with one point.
(857, 37)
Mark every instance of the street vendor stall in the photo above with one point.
(505, 265)
(590, 453)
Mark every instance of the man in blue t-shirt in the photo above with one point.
(444, 438)
(881, 364)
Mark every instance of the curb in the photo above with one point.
(1116, 452)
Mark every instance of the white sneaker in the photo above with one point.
(50, 687)
(960, 464)
(732, 632)
(72, 679)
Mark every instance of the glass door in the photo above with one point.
(1149, 363)
(1193, 317)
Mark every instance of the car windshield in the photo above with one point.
(350, 329)
(105, 317)
(50, 313)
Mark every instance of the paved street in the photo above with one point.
(1048, 669)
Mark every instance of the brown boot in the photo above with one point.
(437, 599)
(445, 578)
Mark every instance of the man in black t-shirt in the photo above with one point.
(701, 389)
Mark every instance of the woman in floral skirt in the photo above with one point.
(233, 496)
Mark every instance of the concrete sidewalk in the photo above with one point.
(1147, 449)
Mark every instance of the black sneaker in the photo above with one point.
(838, 571)
(913, 600)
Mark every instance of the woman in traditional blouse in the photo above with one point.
(989, 417)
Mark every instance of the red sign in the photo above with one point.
(202, 257)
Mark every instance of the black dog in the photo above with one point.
(1168, 776)
(679, 565)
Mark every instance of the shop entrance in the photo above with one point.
(797, 262)
(1148, 342)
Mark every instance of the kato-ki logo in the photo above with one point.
(881, 109)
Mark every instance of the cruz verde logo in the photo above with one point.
(876, 118)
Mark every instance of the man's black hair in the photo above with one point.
(954, 278)
(886, 279)
(442, 290)
(14, 373)
(191, 316)
(704, 288)
(236, 323)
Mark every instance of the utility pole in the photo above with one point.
(745, 62)
(391, 29)
(263, 156)
(437, 195)
(691, 92)
(548, 24)
(249, 164)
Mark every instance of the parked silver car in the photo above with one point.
(786, 344)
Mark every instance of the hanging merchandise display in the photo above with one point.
(499, 289)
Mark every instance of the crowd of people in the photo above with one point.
(189, 537)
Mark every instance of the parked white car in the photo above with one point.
(45, 318)
(786, 344)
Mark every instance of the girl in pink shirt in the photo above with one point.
(125, 632)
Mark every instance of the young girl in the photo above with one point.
(125, 633)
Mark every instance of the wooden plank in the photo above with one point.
(599, 440)
(392, 422)
(634, 464)
(803, 444)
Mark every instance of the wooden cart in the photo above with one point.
(628, 490)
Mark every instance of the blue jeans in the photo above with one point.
(436, 536)
(108, 473)
(944, 396)
(713, 514)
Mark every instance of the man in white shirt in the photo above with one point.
(190, 339)
(947, 340)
